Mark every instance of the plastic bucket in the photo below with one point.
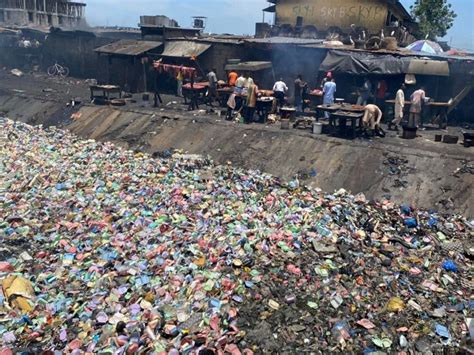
(317, 128)
(409, 132)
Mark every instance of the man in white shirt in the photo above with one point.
(279, 91)
(399, 107)
(239, 84)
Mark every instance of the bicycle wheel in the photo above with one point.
(64, 72)
(52, 70)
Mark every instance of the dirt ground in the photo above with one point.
(422, 172)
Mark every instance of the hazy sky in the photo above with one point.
(236, 16)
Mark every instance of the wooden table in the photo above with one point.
(343, 116)
(195, 94)
(106, 91)
(342, 113)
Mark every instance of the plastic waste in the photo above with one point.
(449, 265)
(395, 304)
(118, 251)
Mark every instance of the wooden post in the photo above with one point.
(144, 62)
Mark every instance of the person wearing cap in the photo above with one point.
(327, 78)
(329, 91)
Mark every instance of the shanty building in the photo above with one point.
(41, 13)
(310, 18)
(125, 63)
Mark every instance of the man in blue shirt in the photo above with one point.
(365, 93)
(329, 90)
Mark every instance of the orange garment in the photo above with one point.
(233, 78)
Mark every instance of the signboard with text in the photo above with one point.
(323, 14)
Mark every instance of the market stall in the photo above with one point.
(180, 54)
(343, 113)
(194, 92)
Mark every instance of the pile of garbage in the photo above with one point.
(104, 250)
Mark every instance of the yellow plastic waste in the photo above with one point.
(395, 304)
(19, 292)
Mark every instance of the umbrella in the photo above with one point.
(426, 47)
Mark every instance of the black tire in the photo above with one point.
(64, 72)
(52, 71)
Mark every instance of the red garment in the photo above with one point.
(381, 89)
(174, 69)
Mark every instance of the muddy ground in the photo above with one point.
(421, 172)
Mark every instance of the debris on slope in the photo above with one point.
(125, 253)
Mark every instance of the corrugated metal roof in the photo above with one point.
(222, 39)
(184, 49)
(249, 66)
(129, 47)
(284, 40)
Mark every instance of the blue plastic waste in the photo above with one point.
(405, 209)
(442, 331)
(411, 222)
(449, 265)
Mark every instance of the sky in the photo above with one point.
(237, 16)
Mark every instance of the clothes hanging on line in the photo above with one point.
(187, 72)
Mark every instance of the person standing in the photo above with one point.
(399, 107)
(327, 78)
(279, 91)
(212, 78)
(417, 100)
(300, 86)
(251, 106)
(232, 78)
(329, 91)
(248, 80)
(365, 92)
(179, 80)
(239, 84)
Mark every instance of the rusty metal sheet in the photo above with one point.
(341, 13)
(184, 49)
(128, 47)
